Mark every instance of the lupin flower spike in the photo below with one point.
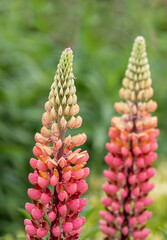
(59, 172)
(131, 153)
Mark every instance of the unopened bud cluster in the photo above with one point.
(59, 172)
(131, 154)
(137, 82)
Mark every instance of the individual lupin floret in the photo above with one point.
(56, 166)
(131, 153)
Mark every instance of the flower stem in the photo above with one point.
(55, 195)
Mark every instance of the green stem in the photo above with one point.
(55, 195)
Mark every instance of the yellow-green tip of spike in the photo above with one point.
(137, 81)
(62, 96)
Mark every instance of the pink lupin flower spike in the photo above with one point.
(59, 172)
(131, 153)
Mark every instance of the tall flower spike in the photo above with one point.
(59, 172)
(131, 153)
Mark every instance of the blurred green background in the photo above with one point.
(33, 34)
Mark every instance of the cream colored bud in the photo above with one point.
(131, 85)
(145, 94)
(78, 139)
(148, 82)
(126, 73)
(60, 110)
(71, 122)
(137, 62)
(53, 113)
(134, 68)
(64, 100)
(83, 138)
(130, 59)
(154, 122)
(59, 84)
(70, 100)
(62, 77)
(139, 124)
(127, 94)
(145, 75)
(148, 74)
(139, 95)
(64, 85)
(52, 102)
(135, 77)
(74, 110)
(142, 70)
(57, 77)
(53, 85)
(74, 89)
(134, 109)
(129, 125)
(144, 55)
(130, 75)
(39, 138)
(63, 122)
(147, 67)
(66, 110)
(66, 91)
(51, 94)
(48, 106)
(130, 66)
(140, 77)
(45, 132)
(74, 99)
(54, 128)
(132, 96)
(61, 91)
(58, 144)
(126, 109)
(121, 92)
(78, 122)
(137, 87)
(69, 83)
(150, 122)
(119, 106)
(46, 120)
(71, 90)
(62, 162)
(146, 122)
(150, 92)
(142, 84)
(57, 100)
(67, 140)
(138, 70)
(55, 91)
(48, 150)
(66, 77)
(143, 107)
(151, 106)
(125, 82)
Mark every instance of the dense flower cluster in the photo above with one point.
(131, 153)
(59, 172)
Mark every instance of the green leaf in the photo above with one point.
(21, 237)
(89, 213)
(90, 233)
(164, 233)
(24, 213)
